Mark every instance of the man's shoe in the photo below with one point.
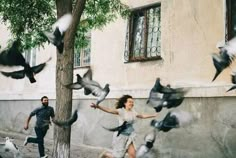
(45, 156)
(26, 140)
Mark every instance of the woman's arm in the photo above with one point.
(144, 116)
(105, 109)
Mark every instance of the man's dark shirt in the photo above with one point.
(43, 115)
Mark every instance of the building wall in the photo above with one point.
(211, 135)
(190, 31)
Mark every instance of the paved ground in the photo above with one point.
(31, 150)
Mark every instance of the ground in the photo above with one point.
(31, 150)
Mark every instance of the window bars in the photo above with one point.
(230, 24)
(82, 58)
(143, 37)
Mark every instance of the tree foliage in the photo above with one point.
(27, 19)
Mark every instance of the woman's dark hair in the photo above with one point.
(44, 97)
(122, 100)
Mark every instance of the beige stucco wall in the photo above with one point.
(190, 31)
(22, 89)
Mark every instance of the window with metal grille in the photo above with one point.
(230, 30)
(82, 57)
(143, 37)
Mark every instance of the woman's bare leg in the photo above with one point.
(131, 151)
(106, 154)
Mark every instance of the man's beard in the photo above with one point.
(45, 104)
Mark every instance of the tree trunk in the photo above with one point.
(64, 75)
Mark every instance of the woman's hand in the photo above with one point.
(26, 126)
(94, 106)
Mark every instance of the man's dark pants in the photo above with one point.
(40, 132)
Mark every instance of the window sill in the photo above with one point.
(81, 67)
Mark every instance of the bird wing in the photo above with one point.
(118, 128)
(233, 78)
(58, 37)
(15, 74)
(88, 75)
(155, 98)
(68, 122)
(36, 69)
(102, 96)
(74, 86)
(170, 121)
(158, 87)
(63, 23)
(92, 87)
(50, 36)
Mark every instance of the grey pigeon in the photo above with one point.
(173, 119)
(170, 98)
(58, 30)
(77, 85)
(9, 146)
(233, 80)
(91, 87)
(119, 129)
(144, 149)
(225, 57)
(12, 56)
(69, 122)
(28, 71)
(158, 87)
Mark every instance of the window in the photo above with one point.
(230, 30)
(30, 56)
(82, 57)
(143, 38)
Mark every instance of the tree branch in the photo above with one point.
(76, 14)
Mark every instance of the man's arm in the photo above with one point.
(27, 122)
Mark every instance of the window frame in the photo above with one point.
(129, 43)
(229, 20)
(82, 53)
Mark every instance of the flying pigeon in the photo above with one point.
(68, 122)
(9, 146)
(58, 31)
(77, 85)
(158, 87)
(225, 57)
(12, 56)
(173, 119)
(91, 87)
(168, 100)
(145, 148)
(119, 129)
(28, 71)
(233, 80)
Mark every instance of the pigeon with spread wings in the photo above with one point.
(12, 56)
(91, 87)
(28, 71)
(168, 97)
(233, 80)
(77, 85)
(225, 57)
(58, 31)
(173, 119)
